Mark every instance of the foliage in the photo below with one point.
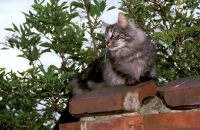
(31, 99)
(174, 26)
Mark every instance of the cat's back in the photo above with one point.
(90, 78)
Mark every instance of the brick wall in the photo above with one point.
(145, 106)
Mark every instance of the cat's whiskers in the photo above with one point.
(105, 54)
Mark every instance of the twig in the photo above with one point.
(91, 28)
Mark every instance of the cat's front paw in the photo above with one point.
(131, 81)
(145, 77)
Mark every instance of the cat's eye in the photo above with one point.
(115, 34)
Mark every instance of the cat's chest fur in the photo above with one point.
(112, 78)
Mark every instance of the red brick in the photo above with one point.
(112, 99)
(173, 121)
(123, 123)
(183, 93)
(187, 120)
(71, 126)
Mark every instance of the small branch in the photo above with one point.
(179, 66)
(91, 29)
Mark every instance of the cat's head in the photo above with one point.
(117, 35)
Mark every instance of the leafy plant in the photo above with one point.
(31, 99)
(174, 27)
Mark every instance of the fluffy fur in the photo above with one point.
(130, 59)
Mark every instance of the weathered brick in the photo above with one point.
(71, 126)
(112, 99)
(187, 120)
(183, 93)
(123, 123)
(173, 121)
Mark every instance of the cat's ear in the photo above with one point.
(122, 20)
(105, 24)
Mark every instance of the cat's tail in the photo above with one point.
(65, 117)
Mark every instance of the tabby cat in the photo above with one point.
(130, 58)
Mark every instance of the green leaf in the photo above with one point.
(63, 16)
(63, 4)
(12, 40)
(80, 39)
(53, 1)
(2, 69)
(112, 7)
(48, 7)
(37, 6)
(31, 20)
(22, 30)
(58, 30)
(45, 20)
(36, 53)
(26, 14)
(46, 44)
(4, 48)
(102, 6)
(31, 14)
(65, 7)
(123, 9)
(42, 69)
(73, 15)
(42, 78)
(63, 77)
(96, 2)
(45, 50)
(94, 10)
(73, 24)
(9, 29)
(58, 48)
(38, 126)
(30, 33)
(35, 87)
(21, 55)
(76, 4)
(87, 1)
(15, 27)
(3, 83)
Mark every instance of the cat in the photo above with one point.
(130, 58)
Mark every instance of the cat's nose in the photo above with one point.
(107, 42)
